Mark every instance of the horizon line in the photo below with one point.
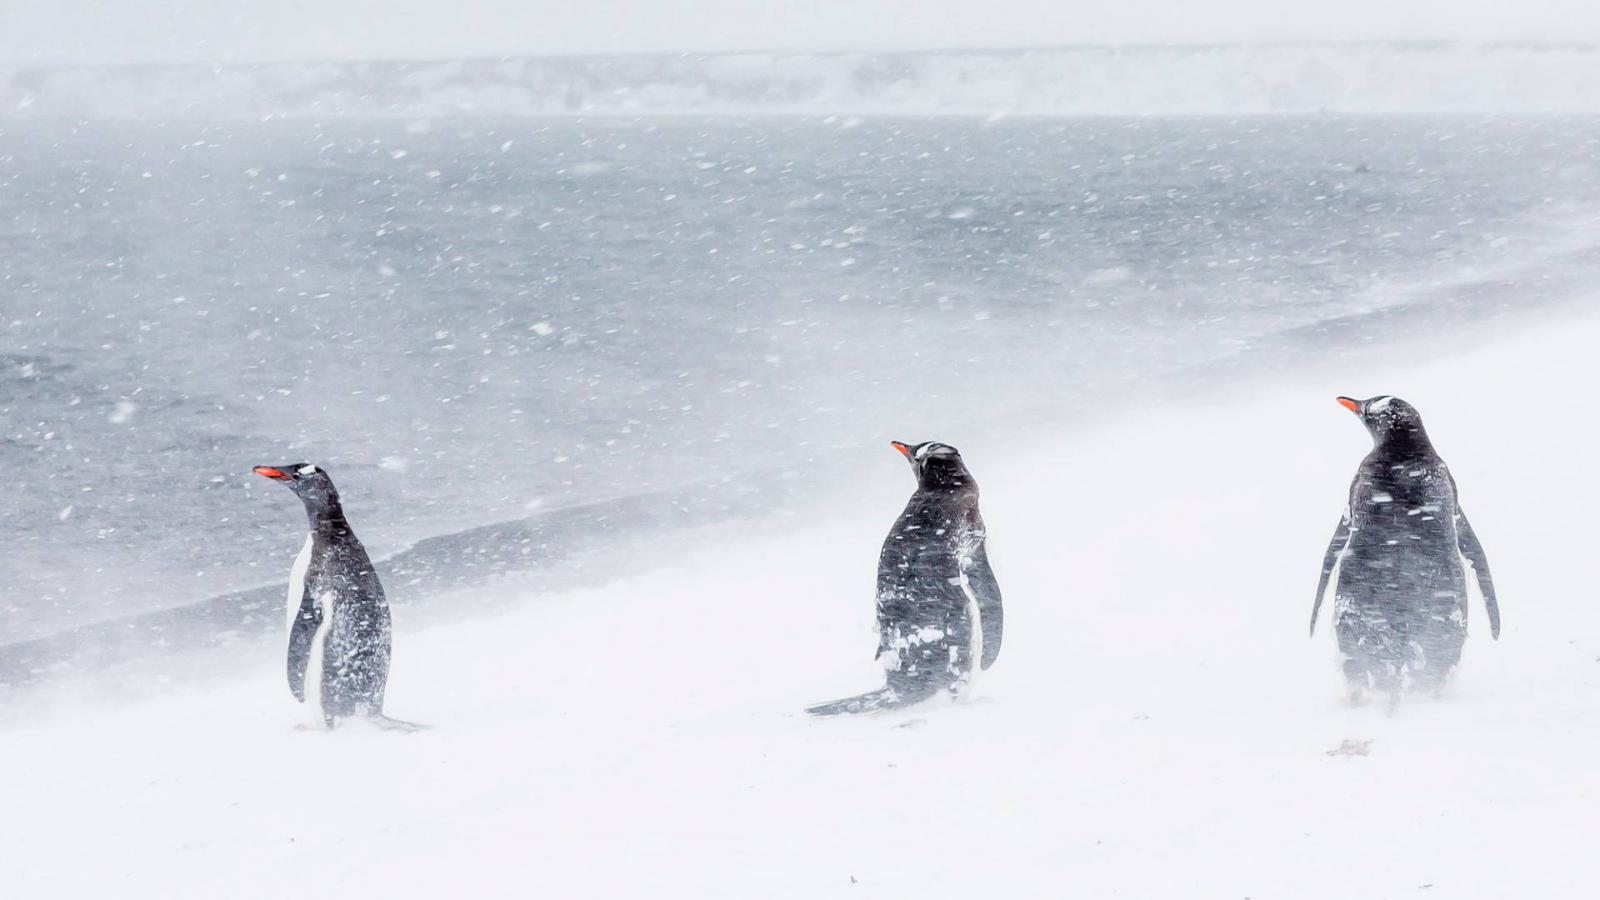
(1412, 44)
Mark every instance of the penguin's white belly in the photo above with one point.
(317, 659)
(975, 641)
(316, 653)
(975, 623)
(1333, 581)
(297, 581)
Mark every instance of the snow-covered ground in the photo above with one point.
(1158, 724)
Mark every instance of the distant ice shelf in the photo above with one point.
(1236, 79)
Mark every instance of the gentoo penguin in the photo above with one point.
(338, 617)
(938, 601)
(1399, 562)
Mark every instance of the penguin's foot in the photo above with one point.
(1394, 701)
(1438, 684)
(1356, 695)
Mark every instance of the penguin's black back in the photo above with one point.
(356, 655)
(933, 574)
(1401, 594)
(922, 550)
(341, 618)
(938, 603)
(1403, 546)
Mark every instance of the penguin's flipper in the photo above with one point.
(301, 633)
(1467, 540)
(980, 577)
(1330, 564)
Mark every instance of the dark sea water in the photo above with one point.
(472, 321)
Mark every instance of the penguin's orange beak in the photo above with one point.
(1352, 405)
(270, 472)
(903, 448)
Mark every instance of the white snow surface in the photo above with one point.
(1157, 725)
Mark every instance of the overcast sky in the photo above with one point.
(99, 31)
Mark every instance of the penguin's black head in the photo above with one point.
(1387, 418)
(310, 482)
(935, 464)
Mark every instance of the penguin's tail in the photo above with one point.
(872, 701)
(388, 724)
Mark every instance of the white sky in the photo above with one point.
(99, 31)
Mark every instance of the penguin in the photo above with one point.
(939, 607)
(1399, 562)
(338, 617)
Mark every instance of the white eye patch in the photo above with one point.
(1379, 405)
(935, 450)
(307, 470)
